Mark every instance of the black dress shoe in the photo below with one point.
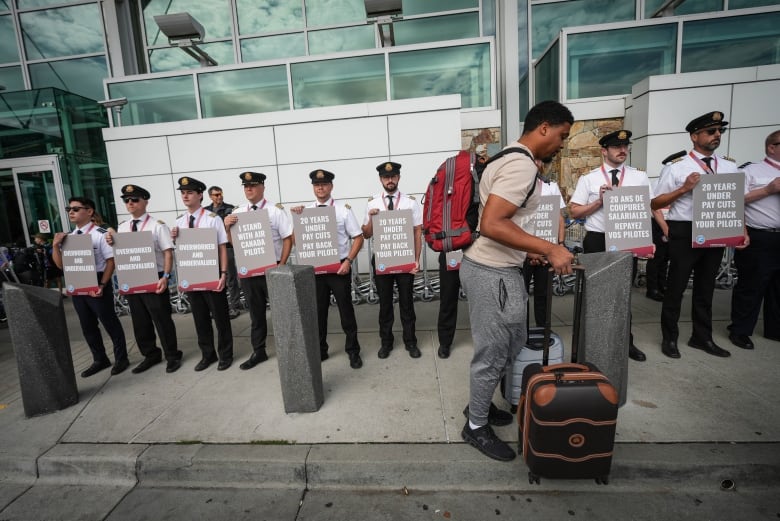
(234, 313)
(669, 348)
(95, 368)
(146, 363)
(709, 347)
(655, 295)
(496, 416)
(414, 351)
(120, 366)
(172, 366)
(224, 364)
(384, 351)
(204, 363)
(444, 351)
(257, 357)
(324, 356)
(634, 353)
(742, 341)
(355, 362)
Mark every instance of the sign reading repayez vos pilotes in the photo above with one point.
(253, 244)
(78, 265)
(197, 259)
(393, 242)
(317, 239)
(627, 216)
(135, 261)
(718, 211)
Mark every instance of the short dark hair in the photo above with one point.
(548, 111)
(86, 201)
(217, 188)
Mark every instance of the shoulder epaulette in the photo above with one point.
(411, 197)
(727, 158)
(279, 205)
(743, 165)
(123, 222)
(160, 221)
(673, 158)
(370, 198)
(348, 207)
(101, 230)
(212, 214)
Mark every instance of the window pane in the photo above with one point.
(26, 4)
(610, 62)
(214, 15)
(273, 47)
(548, 19)
(244, 91)
(411, 7)
(339, 82)
(436, 29)
(156, 101)
(11, 78)
(62, 32)
(687, 7)
(8, 51)
(174, 59)
(547, 75)
(339, 40)
(5, 5)
(452, 70)
(489, 16)
(743, 4)
(267, 16)
(334, 12)
(83, 76)
(739, 41)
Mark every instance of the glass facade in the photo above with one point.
(156, 100)
(412, 7)
(273, 47)
(9, 52)
(244, 91)
(173, 59)
(342, 40)
(41, 27)
(321, 13)
(213, 15)
(687, 7)
(269, 16)
(547, 75)
(77, 75)
(338, 82)
(443, 28)
(11, 78)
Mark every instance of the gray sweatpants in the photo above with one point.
(497, 310)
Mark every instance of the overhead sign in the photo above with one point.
(253, 243)
(393, 242)
(135, 262)
(78, 265)
(197, 259)
(627, 220)
(317, 239)
(719, 211)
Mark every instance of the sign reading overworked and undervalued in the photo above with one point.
(547, 218)
(718, 211)
(78, 265)
(627, 220)
(135, 262)
(253, 243)
(393, 242)
(197, 259)
(316, 239)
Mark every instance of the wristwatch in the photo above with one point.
(166, 275)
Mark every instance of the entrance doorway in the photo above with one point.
(32, 199)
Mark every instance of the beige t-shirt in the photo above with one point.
(510, 178)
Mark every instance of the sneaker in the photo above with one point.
(496, 416)
(485, 440)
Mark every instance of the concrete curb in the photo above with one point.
(90, 464)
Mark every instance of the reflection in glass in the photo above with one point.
(437, 29)
(157, 100)
(273, 47)
(66, 31)
(548, 19)
(739, 41)
(214, 15)
(489, 16)
(8, 51)
(743, 4)
(610, 62)
(28, 4)
(5, 5)
(340, 40)
(339, 82)
(83, 76)
(547, 75)
(245, 91)
(266, 16)
(174, 59)
(11, 78)
(461, 70)
(411, 7)
(30, 114)
(687, 7)
(320, 13)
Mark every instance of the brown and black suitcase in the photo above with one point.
(567, 415)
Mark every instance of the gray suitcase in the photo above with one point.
(530, 354)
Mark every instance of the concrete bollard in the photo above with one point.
(606, 318)
(293, 296)
(39, 334)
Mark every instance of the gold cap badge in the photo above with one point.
(388, 167)
(717, 116)
(622, 135)
(185, 181)
(248, 176)
(320, 174)
(129, 188)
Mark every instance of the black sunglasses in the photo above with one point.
(711, 131)
(74, 208)
(131, 199)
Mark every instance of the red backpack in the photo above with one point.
(451, 202)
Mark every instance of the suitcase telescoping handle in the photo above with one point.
(547, 318)
(579, 291)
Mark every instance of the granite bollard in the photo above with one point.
(606, 315)
(39, 335)
(293, 296)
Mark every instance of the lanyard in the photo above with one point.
(773, 165)
(703, 165)
(144, 224)
(86, 232)
(197, 222)
(609, 179)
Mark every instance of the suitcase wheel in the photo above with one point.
(533, 478)
(602, 480)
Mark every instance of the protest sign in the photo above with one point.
(78, 264)
(253, 243)
(197, 259)
(135, 262)
(316, 239)
(627, 220)
(718, 211)
(393, 242)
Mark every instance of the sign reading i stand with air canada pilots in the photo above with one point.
(253, 244)
(78, 265)
(627, 220)
(393, 242)
(317, 239)
(546, 221)
(719, 211)
(135, 262)
(197, 259)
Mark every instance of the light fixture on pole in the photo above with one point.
(185, 32)
(116, 105)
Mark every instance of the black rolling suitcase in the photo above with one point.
(567, 415)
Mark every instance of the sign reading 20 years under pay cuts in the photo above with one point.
(317, 239)
(718, 211)
(393, 242)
